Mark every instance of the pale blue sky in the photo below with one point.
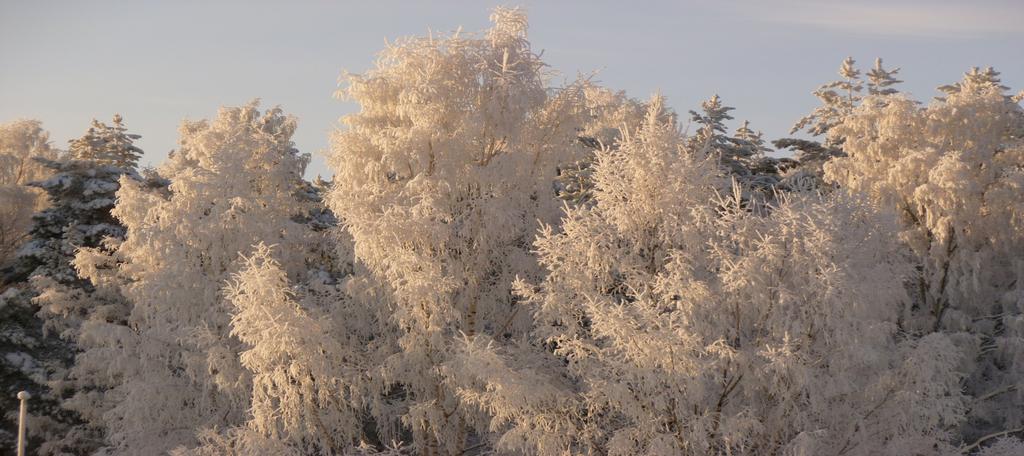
(66, 62)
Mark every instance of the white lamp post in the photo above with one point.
(23, 396)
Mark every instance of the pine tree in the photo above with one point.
(839, 99)
(29, 359)
(107, 145)
(742, 154)
(764, 170)
(711, 137)
(880, 80)
(975, 79)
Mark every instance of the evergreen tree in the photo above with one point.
(711, 137)
(30, 358)
(107, 145)
(976, 79)
(57, 300)
(765, 171)
(880, 80)
(839, 99)
(742, 154)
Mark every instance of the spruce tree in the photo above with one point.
(741, 154)
(48, 299)
(838, 100)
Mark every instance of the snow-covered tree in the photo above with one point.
(17, 204)
(29, 359)
(502, 265)
(441, 178)
(974, 79)
(742, 154)
(952, 170)
(754, 138)
(880, 79)
(301, 401)
(107, 145)
(691, 325)
(80, 194)
(233, 183)
(839, 99)
(712, 136)
(609, 113)
(765, 171)
(21, 142)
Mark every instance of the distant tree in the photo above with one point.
(839, 99)
(880, 80)
(754, 138)
(765, 171)
(742, 154)
(712, 137)
(21, 142)
(107, 145)
(974, 79)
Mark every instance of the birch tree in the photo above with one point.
(952, 171)
(21, 142)
(175, 364)
(691, 325)
(441, 178)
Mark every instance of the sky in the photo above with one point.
(158, 63)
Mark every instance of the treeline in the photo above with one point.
(503, 266)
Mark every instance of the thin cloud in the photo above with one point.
(925, 20)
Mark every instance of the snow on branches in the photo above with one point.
(503, 265)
